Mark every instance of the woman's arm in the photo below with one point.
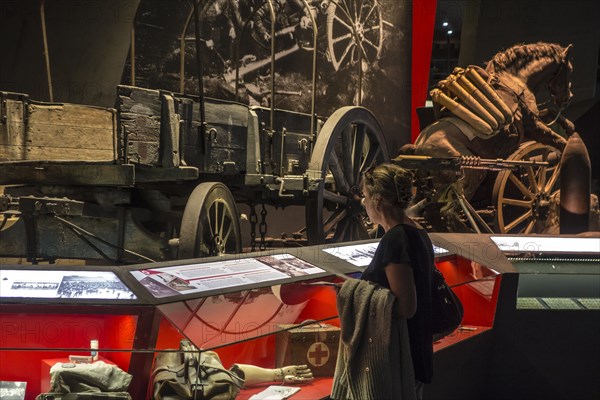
(402, 285)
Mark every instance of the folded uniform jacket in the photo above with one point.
(96, 377)
(374, 361)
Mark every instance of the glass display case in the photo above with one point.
(555, 273)
(48, 313)
(233, 305)
(471, 264)
(236, 305)
(549, 332)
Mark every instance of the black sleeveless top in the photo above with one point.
(405, 244)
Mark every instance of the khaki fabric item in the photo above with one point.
(95, 377)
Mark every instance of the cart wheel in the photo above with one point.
(523, 197)
(353, 26)
(350, 142)
(210, 225)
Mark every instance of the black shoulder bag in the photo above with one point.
(446, 308)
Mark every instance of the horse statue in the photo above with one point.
(493, 127)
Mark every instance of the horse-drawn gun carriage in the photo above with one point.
(495, 143)
(159, 176)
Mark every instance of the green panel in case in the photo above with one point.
(561, 303)
(590, 304)
(529, 303)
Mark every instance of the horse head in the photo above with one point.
(560, 85)
(538, 66)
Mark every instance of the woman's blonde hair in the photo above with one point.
(390, 184)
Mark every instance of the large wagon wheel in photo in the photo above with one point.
(210, 225)
(350, 142)
(523, 197)
(354, 26)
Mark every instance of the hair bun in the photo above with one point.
(403, 181)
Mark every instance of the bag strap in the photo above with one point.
(193, 364)
(239, 382)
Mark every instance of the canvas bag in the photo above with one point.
(446, 308)
(192, 374)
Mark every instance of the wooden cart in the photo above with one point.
(159, 176)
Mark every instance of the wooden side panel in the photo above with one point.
(139, 120)
(227, 129)
(12, 130)
(170, 132)
(293, 155)
(70, 132)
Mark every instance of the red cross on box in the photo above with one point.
(318, 354)
(315, 345)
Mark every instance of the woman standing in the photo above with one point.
(403, 261)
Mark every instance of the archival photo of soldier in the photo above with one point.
(358, 52)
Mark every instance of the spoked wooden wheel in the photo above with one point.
(210, 225)
(523, 197)
(354, 26)
(350, 142)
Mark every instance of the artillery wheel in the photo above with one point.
(350, 142)
(523, 197)
(210, 225)
(353, 26)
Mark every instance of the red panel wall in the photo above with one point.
(422, 42)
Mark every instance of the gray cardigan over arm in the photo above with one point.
(374, 361)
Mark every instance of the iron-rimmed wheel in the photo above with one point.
(354, 26)
(210, 225)
(350, 142)
(523, 197)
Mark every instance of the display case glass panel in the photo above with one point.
(221, 319)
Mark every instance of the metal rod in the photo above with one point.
(313, 135)
(200, 71)
(81, 230)
(182, 52)
(46, 51)
(472, 213)
(272, 117)
(92, 245)
(467, 212)
(281, 155)
(132, 54)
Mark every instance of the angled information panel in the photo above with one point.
(203, 277)
(361, 255)
(541, 244)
